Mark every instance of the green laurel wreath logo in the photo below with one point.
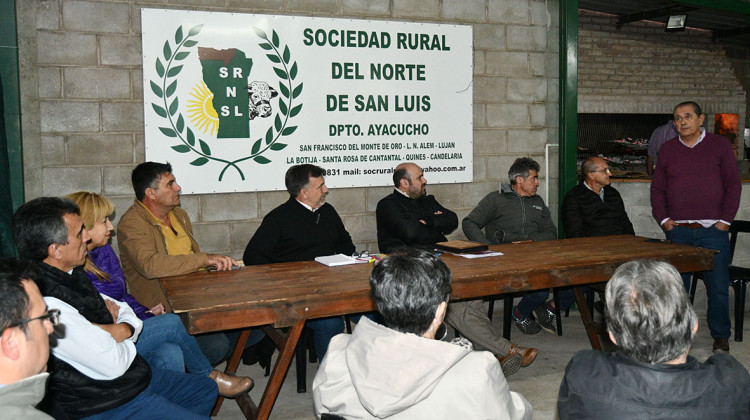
(168, 109)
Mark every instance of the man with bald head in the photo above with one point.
(594, 207)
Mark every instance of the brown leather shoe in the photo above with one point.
(509, 363)
(528, 354)
(231, 386)
(721, 345)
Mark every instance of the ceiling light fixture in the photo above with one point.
(676, 23)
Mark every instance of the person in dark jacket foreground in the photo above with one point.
(650, 319)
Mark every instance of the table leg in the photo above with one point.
(507, 314)
(588, 321)
(286, 351)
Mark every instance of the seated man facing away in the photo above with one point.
(95, 370)
(409, 217)
(400, 371)
(25, 323)
(650, 319)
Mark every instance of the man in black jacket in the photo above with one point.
(411, 218)
(95, 369)
(302, 228)
(652, 322)
(593, 207)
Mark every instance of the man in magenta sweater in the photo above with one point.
(695, 194)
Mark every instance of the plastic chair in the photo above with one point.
(738, 278)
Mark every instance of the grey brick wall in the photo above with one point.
(642, 69)
(83, 111)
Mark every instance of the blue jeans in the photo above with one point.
(717, 280)
(218, 346)
(531, 301)
(165, 343)
(324, 329)
(170, 395)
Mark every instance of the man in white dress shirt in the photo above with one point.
(95, 369)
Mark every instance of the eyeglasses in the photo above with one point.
(53, 315)
(363, 254)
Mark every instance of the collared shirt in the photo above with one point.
(700, 138)
(601, 192)
(177, 240)
(307, 207)
(403, 193)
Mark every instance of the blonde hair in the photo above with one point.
(94, 209)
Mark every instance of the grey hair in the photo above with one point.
(648, 311)
(407, 288)
(521, 167)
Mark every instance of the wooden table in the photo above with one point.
(285, 295)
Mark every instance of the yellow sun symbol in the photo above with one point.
(201, 109)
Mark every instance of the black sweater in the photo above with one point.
(291, 232)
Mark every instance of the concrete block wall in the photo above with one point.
(639, 68)
(82, 107)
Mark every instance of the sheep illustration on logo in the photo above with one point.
(260, 94)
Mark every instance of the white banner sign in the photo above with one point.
(232, 100)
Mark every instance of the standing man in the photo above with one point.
(411, 218)
(593, 207)
(661, 135)
(516, 213)
(96, 371)
(25, 323)
(695, 195)
(301, 229)
(155, 238)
